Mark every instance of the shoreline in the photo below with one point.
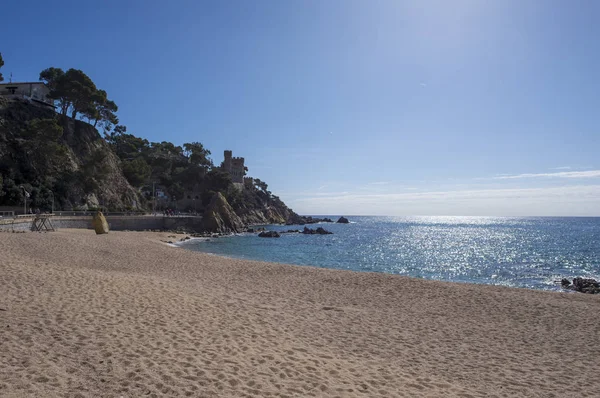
(181, 244)
(115, 315)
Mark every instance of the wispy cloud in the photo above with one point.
(562, 174)
(562, 168)
(589, 190)
(564, 200)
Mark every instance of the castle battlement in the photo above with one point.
(234, 166)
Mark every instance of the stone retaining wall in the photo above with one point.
(115, 223)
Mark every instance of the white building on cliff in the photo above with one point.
(33, 92)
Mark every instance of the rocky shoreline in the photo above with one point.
(220, 217)
(225, 229)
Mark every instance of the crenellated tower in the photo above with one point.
(235, 167)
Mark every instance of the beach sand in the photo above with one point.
(123, 315)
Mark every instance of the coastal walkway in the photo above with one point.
(118, 222)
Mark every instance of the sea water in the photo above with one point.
(528, 252)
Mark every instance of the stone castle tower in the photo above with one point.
(235, 167)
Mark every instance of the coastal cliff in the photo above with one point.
(257, 205)
(58, 159)
(270, 214)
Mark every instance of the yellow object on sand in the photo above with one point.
(99, 223)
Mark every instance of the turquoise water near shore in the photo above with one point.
(530, 252)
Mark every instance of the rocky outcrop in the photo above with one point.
(318, 231)
(277, 214)
(93, 156)
(265, 215)
(269, 234)
(100, 224)
(301, 220)
(220, 217)
(582, 285)
(343, 220)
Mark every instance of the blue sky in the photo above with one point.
(463, 107)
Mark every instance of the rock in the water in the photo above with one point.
(301, 220)
(318, 231)
(343, 220)
(220, 217)
(582, 285)
(269, 234)
(99, 223)
(308, 231)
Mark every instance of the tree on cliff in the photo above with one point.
(218, 180)
(81, 90)
(76, 92)
(1, 65)
(52, 78)
(262, 186)
(127, 146)
(133, 152)
(137, 171)
(101, 109)
(41, 148)
(197, 154)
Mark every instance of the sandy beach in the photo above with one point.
(124, 315)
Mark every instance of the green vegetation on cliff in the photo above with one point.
(188, 169)
(58, 160)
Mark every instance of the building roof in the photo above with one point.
(8, 84)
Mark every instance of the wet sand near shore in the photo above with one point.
(125, 315)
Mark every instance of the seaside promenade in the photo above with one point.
(118, 221)
(123, 315)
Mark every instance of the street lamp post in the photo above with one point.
(24, 199)
(153, 199)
